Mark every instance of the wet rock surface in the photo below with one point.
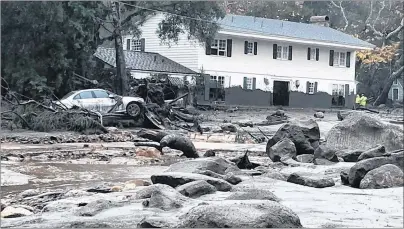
(385, 176)
(285, 148)
(349, 155)
(315, 182)
(377, 151)
(196, 188)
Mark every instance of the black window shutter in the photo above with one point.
(317, 54)
(128, 44)
(207, 48)
(255, 48)
(229, 47)
(315, 87)
(348, 59)
(142, 44)
(308, 53)
(331, 58)
(275, 51)
(245, 83)
(254, 86)
(290, 53)
(307, 87)
(245, 47)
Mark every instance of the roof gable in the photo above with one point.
(272, 27)
(143, 61)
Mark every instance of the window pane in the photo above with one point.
(336, 58)
(222, 53)
(222, 45)
(101, 94)
(214, 43)
(279, 52)
(312, 54)
(136, 45)
(86, 95)
(342, 59)
(250, 47)
(285, 53)
(213, 51)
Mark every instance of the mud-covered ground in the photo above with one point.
(79, 165)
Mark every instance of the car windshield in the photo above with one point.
(68, 94)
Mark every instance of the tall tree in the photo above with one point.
(191, 18)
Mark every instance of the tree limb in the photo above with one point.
(342, 12)
(370, 13)
(378, 14)
(397, 30)
(137, 13)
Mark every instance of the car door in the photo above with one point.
(103, 101)
(85, 99)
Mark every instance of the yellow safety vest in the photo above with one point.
(358, 99)
(363, 101)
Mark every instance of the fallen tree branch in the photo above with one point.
(263, 133)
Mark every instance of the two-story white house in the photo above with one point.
(259, 61)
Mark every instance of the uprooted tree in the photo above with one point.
(191, 18)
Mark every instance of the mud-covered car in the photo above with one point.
(100, 100)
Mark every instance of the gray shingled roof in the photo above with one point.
(272, 27)
(143, 61)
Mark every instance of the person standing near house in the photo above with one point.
(363, 100)
(357, 101)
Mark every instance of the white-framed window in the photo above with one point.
(250, 47)
(313, 54)
(338, 89)
(219, 47)
(311, 87)
(136, 45)
(220, 80)
(249, 83)
(282, 52)
(339, 59)
(213, 77)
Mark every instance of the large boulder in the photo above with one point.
(240, 214)
(349, 155)
(95, 207)
(310, 129)
(315, 182)
(361, 168)
(319, 114)
(179, 142)
(228, 127)
(175, 179)
(362, 131)
(377, 151)
(325, 152)
(284, 148)
(216, 164)
(165, 199)
(13, 212)
(296, 135)
(196, 188)
(386, 176)
(305, 158)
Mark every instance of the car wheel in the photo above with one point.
(133, 109)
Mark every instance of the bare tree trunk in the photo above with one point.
(121, 84)
(382, 98)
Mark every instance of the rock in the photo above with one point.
(275, 175)
(95, 207)
(155, 136)
(76, 193)
(314, 182)
(243, 162)
(283, 148)
(362, 131)
(13, 212)
(305, 158)
(319, 115)
(228, 127)
(232, 179)
(344, 178)
(132, 184)
(116, 188)
(39, 201)
(253, 194)
(310, 129)
(209, 153)
(240, 214)
(146, 192)
(322, 161)
(278, 113)
(165, 199)
(315, 144)
(376, 151)
(196, 188)
(175, 179)
(325, 152)
(3, 205)
(386, 176)
(216, 129)
(397, 158)
(155, 222)
(245, 123)
(359, 170)
(349, 155)
(180, 143)
(341, 115)
(217, 165)
(102, 188)
(29, 192)
(148, 152)
(296, 135)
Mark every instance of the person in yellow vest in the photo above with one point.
(357, 101)
(363, 100)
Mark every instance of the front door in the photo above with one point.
(395, 94)
(281, 93)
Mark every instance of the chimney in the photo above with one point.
(320, 20)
